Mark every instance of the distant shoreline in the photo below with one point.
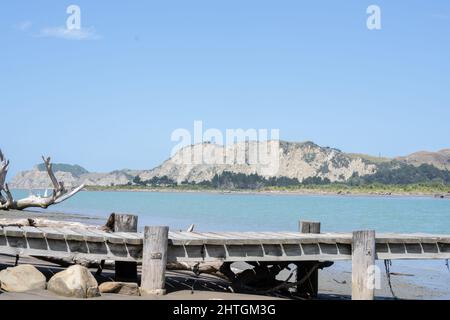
(299, 192)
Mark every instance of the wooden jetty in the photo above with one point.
(157, 246)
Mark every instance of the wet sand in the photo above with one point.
(51, 215)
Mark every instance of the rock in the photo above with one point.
(284, 159)
(76, 281)
(22, 278)
(125, 288)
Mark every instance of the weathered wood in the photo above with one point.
(363, 264)
(76, 243)
(310, 287)
(125, 222)
(309, 226)
(59, 194)
(154, 260)
(125, 270)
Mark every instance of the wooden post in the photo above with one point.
(309, 227)
(363, 262)
(125, 222)
(310, 287)
(154, 260)
(125, 270)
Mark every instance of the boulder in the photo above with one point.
(125, 288)
(76, 281)
(22, 278)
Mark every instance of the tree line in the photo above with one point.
(387, 174)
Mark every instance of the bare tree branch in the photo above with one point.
(60, 193)
(58, 186)
(3, 170)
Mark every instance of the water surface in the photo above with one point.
(257, 212)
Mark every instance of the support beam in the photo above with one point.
(125, 270)
(363, 263)
(154, 260)
(310, 287)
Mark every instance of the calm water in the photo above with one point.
(240, 212)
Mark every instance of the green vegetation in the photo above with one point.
(229, 180)
(76, 170)
(367, 158)
(403, 174)
(155, 181)
(391, 178)
(380, 189)
(333, 188)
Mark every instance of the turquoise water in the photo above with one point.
(241, 212)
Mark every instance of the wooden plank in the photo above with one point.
(33, 232)
(315, 238)
(259, 235)
(14, 232)
(70, 234)
(192, 235)
(88, 235)
(411, 238)
(212, 235)
(130, 237)
(51, 233)
(363, 265)
(109, 237)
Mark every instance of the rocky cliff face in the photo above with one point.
(199, 163)
(36, 179)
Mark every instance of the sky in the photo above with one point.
(109, 96)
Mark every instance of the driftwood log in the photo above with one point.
(59, 194)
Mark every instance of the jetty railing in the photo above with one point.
(157, 246)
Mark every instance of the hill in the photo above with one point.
(440, 159)
(75, 170)
(282, 164)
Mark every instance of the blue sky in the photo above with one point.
(145, 68)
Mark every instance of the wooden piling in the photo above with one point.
(310, 287)
(125, 270)
(309, 227)
(154, 260)
(125, 222)
(363, 262)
